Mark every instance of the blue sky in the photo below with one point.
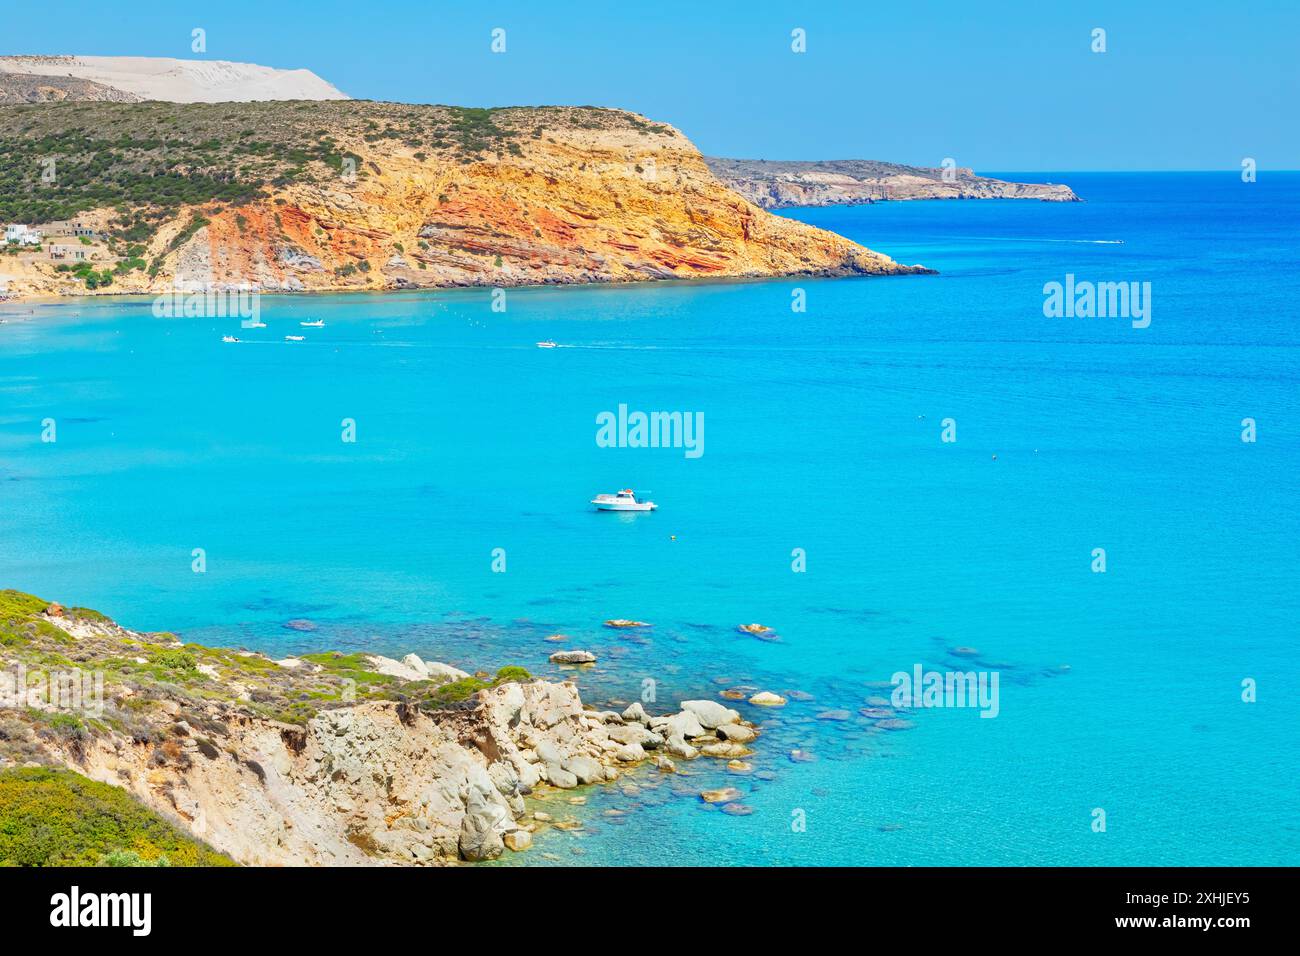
(996, 86)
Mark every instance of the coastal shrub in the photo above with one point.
(130, 858)
(66, 726)
(512, 673)
(457, 690)
(59, 818)
(21, 621)
(181, 662)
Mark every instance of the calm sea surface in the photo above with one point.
(822, 432)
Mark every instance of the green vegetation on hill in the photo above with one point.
(149, 159)
(60, 818)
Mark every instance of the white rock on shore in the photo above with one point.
(412, 668)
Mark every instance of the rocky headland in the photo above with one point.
(324, 759)
(351, 195)
(772, 184)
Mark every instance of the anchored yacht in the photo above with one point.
(625, 500)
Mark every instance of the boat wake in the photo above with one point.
(1083, 242)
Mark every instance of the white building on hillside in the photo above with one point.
(23, 235)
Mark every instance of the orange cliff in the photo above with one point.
(580, 195)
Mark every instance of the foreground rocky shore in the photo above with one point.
(327, 759)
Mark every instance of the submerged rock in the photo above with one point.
(725, 749)
(895, 724)
(723, 795)
(833, 715)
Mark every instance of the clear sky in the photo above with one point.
(997, 86)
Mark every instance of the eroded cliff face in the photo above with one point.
(378, 783)
(578, 205)
(554, 195)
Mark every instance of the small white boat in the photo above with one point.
(625, 500)
(259, 324)
(318, 324)
(293, 338)
(229, 338)
(548, 344)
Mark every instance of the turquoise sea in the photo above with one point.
(822, 432)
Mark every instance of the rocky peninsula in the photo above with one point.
(323, 759)
(772, 184)
(337, 195)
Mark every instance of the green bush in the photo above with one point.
(180, 661)
(60, 818)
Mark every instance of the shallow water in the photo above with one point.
(822, 433)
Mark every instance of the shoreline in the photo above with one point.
(220, 742)
(568, 286)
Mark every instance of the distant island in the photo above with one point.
(775, 184)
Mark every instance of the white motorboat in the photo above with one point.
(293, 338)
(229, 338)
(255, 324)
(318, 324)
(547, 344)
(625, 500)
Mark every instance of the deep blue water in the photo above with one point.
(822, 433)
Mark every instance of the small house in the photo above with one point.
(22, 235)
